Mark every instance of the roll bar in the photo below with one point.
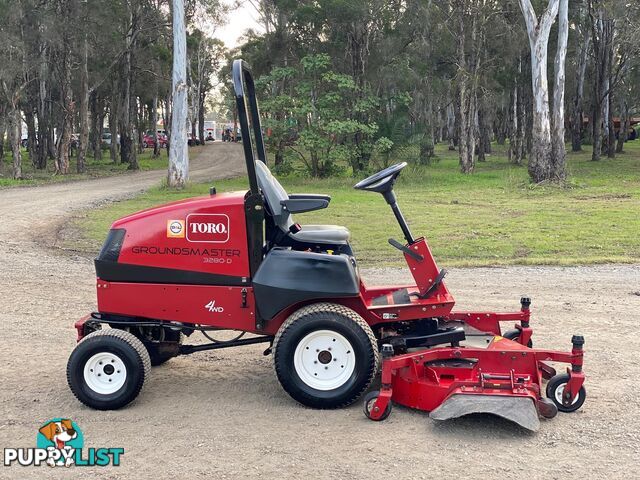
(247, 103)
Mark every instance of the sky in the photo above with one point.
(239, 20)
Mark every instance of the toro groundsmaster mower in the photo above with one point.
(239, 261)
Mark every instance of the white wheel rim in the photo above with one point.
(560, 392)
(105, 373)
(324, 360)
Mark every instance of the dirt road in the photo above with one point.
(222, 414)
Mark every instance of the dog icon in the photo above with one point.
(59, 433)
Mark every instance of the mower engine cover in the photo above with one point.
(185, 261)
(198, 241)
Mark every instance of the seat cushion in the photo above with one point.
(334, 234)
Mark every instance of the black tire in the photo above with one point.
(515, 336)
(347, 324)
(558, 382)
(369, 400)
(128, 349)
(162, 351)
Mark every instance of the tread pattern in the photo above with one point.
(337, 309)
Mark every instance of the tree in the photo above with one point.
(178, 149)
(541, 161)
(558, 168)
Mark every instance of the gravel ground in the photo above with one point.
(222, 414)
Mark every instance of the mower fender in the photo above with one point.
(520, 410)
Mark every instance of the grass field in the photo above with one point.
(493, 217)
(94, 168)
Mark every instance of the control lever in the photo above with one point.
(407, 250)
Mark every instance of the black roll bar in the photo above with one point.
(243, 82)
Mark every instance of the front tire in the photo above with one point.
(107, 369)
(325, 356)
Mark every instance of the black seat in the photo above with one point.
(323, 234)
(312, 236)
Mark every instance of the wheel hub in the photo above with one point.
(105, 373)
(324, 360)
(559, 393)
(324, 357)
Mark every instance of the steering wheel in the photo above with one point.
(381, 181)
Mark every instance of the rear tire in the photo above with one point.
(107, 369)
(325, 355)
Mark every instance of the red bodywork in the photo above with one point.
(171, 237)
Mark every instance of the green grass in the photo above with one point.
(94, 168)
(493, 217)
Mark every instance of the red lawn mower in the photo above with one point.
(238, 261)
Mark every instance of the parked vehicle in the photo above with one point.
(148, 141)
(191, 140)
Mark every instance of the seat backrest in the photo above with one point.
(273, 193)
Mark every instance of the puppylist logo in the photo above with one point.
(60, 442)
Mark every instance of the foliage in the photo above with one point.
(320, 119)
(490, 218)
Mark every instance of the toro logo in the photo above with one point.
(208, 227)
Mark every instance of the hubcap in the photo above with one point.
(105, 373)
(560, 392)
(324, 360)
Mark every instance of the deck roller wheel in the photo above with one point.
(325, 355)
(515, 336)
(108, 368)
(369, 402)
(555, 390)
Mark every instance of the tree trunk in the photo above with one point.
(559, 171)
(576, 118)
(127, 148)
(15, 128)
(83, 141)
(484, 129)
(611, 130)
(3, 130)
(602, 37)
(623, 131)
(44, 134)
(541, 159)
(154, 125)
(202, 96)
(97, 123)
(32, 144)
(68, 107)
(166, 118)
(178, 152)
(451, 126)
(467, 97)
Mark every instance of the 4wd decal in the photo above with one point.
(208, 227)
(211, 306)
